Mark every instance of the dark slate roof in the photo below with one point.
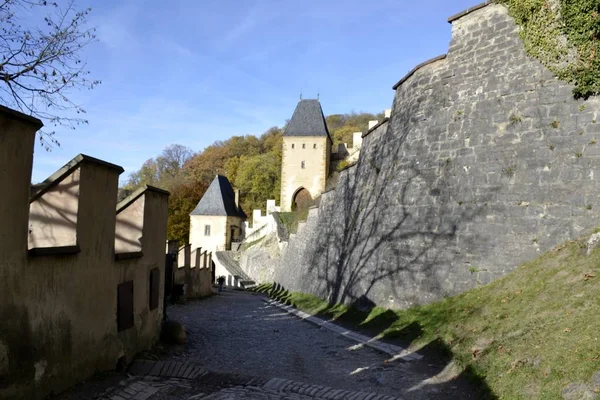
(308, 120)
(219, 199)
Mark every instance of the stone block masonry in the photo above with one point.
(486, 161)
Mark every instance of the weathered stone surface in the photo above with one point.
(592, 243)
(486, 161)
(578, 391)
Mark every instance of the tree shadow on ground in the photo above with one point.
(438, 357)
(438, 366)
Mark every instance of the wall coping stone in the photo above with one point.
(418, 67)
(375, 127)
(127, 201)
(54, 251)
(38, 190)
(469, 11)
(129, 255)
(23, 117)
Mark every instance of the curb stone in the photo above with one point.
(145, 382)
(395, 351)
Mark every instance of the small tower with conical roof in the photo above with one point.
(306, 155)
(217, 219)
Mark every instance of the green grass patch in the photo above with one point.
(246, 246)
(290, 219)
(527, 335)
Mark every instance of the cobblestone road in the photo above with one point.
(237, 332)
(254, 350)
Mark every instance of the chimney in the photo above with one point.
(237, 197)
(372, 124)
(388, 112)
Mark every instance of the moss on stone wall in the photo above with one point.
(564, 35)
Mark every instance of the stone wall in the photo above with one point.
(60, 275)
(194, 270)
(486, 161)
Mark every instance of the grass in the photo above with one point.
(290, 219)
(246, 246)
(527, 335)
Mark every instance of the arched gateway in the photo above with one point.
(302, 199)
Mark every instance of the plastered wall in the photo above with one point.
(313, 176)
(58, 273)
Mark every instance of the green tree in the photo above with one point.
(183, 200)
(259, 179)
(165, 171)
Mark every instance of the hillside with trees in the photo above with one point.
(252, 164)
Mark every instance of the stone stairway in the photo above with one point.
(229, 259)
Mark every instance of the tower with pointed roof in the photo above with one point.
(217, 219)
(306, 155)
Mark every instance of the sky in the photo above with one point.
(193, 72)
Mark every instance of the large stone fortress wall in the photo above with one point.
(486, 161)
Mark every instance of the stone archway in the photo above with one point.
(301, 200)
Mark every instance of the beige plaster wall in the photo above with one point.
(194, 272)
(64, 311)
(313, 177)
(53, 216)
(145, 331)
(220, 231)
(129, 227)
(16, 158)
(58, 312)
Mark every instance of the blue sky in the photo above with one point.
(192, 72)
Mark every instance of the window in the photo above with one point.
(125, 306)
(314, 146)
(292, 145)
(303, 165)
(303, 145)
(206, 230)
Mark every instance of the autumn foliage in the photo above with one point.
(252, 165)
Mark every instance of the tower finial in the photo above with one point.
(318, 94)
(300, 95)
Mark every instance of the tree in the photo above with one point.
(164, 171)
(41, 62)
(213, 160)
(182, 202)
(258, 178)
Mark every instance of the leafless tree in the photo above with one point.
(41, 61)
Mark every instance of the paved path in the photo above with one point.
(240, 347)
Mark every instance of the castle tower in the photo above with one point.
(306, 155)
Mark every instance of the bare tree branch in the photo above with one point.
(39, 65)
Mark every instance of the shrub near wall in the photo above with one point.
(565, 36)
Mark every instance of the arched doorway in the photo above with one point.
(302, 200)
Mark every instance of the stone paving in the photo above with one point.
(395, 351)
(241, 347)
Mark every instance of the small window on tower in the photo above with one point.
(303, 145)
(206, 230)
(302, 165)
(314, 146)
(292, 145)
